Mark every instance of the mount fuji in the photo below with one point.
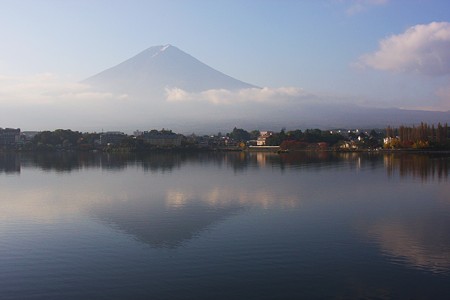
(158, 68)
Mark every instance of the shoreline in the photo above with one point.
(274, 149)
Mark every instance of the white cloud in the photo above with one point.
(358, 6)
(227, 97)
(46, 88)
(443, 94)
(46, 101)
(178, 95)
(424, 49)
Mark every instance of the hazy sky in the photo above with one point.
(374, 52)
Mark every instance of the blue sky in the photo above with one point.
(329, 48)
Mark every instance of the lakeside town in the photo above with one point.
(421, 137)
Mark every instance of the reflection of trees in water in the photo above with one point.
(71, 161)
(163, 162)
(423, 166)
(60, 161)
(9, 163)
(328, 159)
(152, 162)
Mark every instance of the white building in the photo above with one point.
(263, 135)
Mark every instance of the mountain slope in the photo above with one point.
(159, 67)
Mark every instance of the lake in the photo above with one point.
(225, 226)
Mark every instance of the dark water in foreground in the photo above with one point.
(225, 226)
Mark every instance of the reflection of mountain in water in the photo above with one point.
(182, 213)
(161, 225)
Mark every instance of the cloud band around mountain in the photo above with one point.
(226, 97)
(423, 49)
(48, 88)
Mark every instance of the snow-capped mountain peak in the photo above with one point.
(162, 49)
(151, 71)
(165, 47)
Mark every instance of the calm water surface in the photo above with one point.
(224, 226)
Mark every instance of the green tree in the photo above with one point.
(239, 135)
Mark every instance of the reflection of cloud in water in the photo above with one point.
(422, 244)
(443, 196)
(223, 196)
(40, 205)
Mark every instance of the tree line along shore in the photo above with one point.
(423, 137)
